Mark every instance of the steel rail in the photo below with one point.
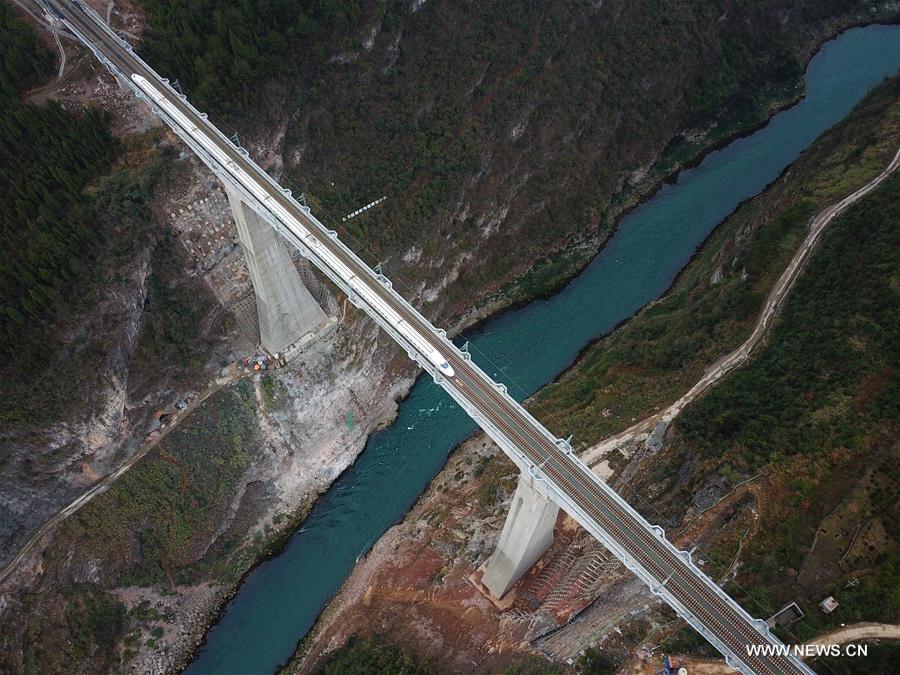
(643, 547)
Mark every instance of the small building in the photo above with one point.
(785, 616)
(829, 604)
(673, 666)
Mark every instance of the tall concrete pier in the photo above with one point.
(527, 534)
(286, 309)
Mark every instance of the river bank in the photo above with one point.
(278, 468)
(421, 401)
(415, 582)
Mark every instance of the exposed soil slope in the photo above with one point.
(408, 585)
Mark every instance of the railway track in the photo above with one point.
(590, 501)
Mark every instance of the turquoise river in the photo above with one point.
(279, 601)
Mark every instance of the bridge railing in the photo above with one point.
(554, 491)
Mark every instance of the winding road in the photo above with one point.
(773, 303)
(591, 502)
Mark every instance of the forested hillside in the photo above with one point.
(522, 124)
(23, 60)
(224, 52)
(67, 228)
(770, 475)
(819, 407)
(47, 230)
(46, 226)
(810, 422)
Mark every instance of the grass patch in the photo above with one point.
(274, 392)
(371, 656)
(881, 659)
(815, 411)
(156, 520)
(840, 329)
(713, 305)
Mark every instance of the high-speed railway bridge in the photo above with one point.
(549, 467)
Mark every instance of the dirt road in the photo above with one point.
(595, 453)
(104, 483)
(739, 356)
(859, 632)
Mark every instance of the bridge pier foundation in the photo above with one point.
(526, 536)
(287, 310)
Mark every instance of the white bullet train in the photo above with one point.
(291, 223)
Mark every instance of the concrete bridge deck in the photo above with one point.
(549, 466)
